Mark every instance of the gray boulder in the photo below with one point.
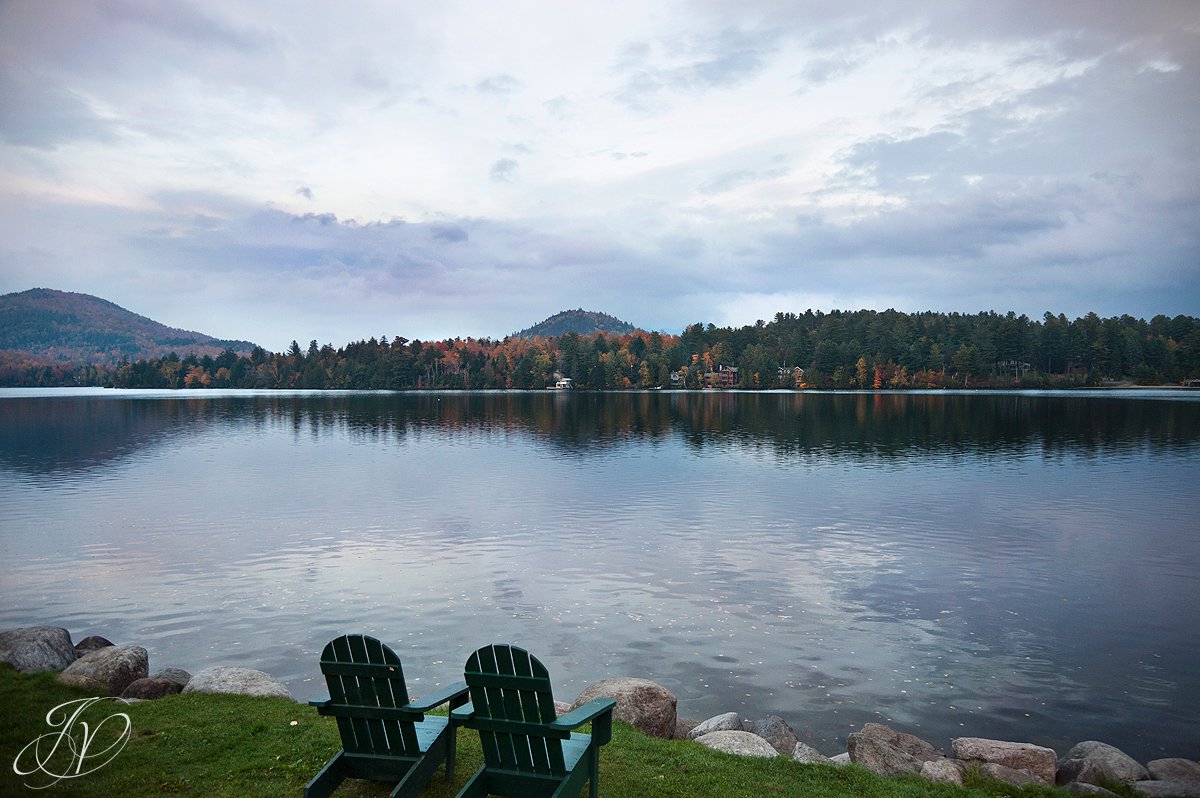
(885, 751)
(238, 681)
(683, 726)
(641, 703)
(1018, 777)
(806, 753)
(777, 732)
(108, 670)
(150, 688)
(93, 643)
(37, 648)
(1092, 760)
(561, 707)
(1040, 761)
(1083, 788)
(1168, 789)
(1174, 769)
(742, 743)
(840, 759)
(944, 771)
(177, 675)
(729, 721)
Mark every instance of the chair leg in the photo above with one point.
(416, 778)
(594, 775)
(327, 779)
(476, 787)
(451, 749)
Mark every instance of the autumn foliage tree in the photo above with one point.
(838, 350)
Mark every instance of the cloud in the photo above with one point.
(728, 181)
(202, 158)
(559, 107)
(186, 22)
(693, 64)
(820, 71)
(498, 84)
(451, 233)
(42, 115)
(965, 230)
(503, 170)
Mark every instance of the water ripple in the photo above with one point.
(833, 560)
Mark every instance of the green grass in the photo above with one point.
(217, 745)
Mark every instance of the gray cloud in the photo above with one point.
(727, 181)
(263, 274)
(503, 171)
(720, 60)
(498, 84)
(451, 233)
(559, 107)
(1064, 178)
(964, 229)
(820, 71)
(38, 114)
(370, 78)
(186, 22)
(323, 219)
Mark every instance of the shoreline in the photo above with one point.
(122, 672)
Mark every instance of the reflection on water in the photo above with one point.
(1018, 566)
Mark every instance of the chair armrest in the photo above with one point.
(462, 714)
(589, 711)
(446, 694)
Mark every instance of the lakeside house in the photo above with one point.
(723, 377)
(793, 375)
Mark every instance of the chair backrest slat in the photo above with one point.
(362, 671)
(514, 711)
(512, 697)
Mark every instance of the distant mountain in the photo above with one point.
(43, 325)
(583, 322)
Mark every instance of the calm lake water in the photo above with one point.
(1020, 566)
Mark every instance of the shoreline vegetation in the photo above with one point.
(863, 350)
(237, 732)
(251, 747)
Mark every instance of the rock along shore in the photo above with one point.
(123, 670)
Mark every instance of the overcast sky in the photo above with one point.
(279, 170)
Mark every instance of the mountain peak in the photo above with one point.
(56, 326)
(579, 321)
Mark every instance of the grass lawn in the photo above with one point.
(219, 745)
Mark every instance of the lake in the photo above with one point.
(1023, 566)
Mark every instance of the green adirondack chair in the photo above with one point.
(526, 751)
(385, 737)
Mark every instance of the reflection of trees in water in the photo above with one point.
(900, 425)
(46, 435)
(69, 433)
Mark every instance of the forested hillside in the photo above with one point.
(860, 349)
(580, 322)
(59, 327)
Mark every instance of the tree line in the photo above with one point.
(837, 350)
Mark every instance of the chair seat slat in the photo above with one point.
(500, 726)
(369, 713)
